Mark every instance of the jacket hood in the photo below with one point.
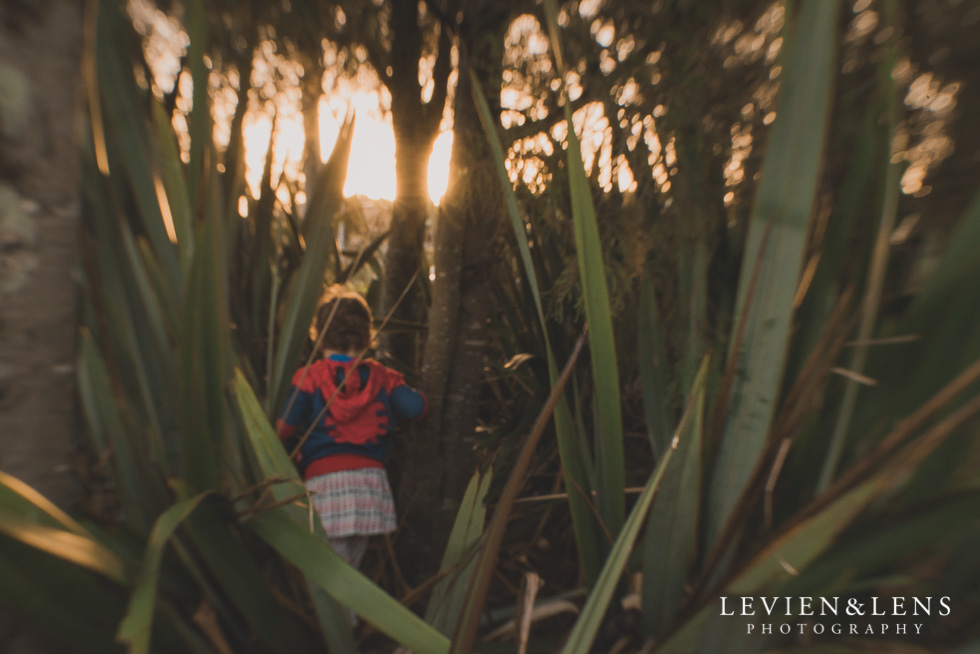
(352, 397)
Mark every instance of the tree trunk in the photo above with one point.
(39, 58)
(416, 126)
(473, 217)
(312, 90)
(470, 215)
(403, 260)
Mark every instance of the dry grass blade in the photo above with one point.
(529, 592)
(546, 609)
(938, 402)
(890, 457)
(469, 622)
(207, 621)
(15, 493)
(876, 277)
(90, 74)
(813, 374)
(81, 550)
(892, 340)
(309, 359)
(854, 376)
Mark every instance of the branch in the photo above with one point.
(378, 57)
(446, 17)
(555, 116)
(406, 50)
(434, 110)
(366, 33)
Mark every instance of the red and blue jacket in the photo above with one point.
(354, 431)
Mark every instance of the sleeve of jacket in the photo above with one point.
(406, 402)
(296, 413)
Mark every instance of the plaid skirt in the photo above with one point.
(353, 502)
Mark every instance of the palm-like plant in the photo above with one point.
(214, 549)
(776, 414)
(166, 369)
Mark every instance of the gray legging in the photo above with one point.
(350, 548)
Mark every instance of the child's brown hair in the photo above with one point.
(350, 328)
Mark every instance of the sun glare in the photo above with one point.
(371, 170)
(439, 166)
(256, 131)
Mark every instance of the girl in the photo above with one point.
(351, 405)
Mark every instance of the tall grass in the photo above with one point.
(193, 318)
(718, 525)
(206, 492)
